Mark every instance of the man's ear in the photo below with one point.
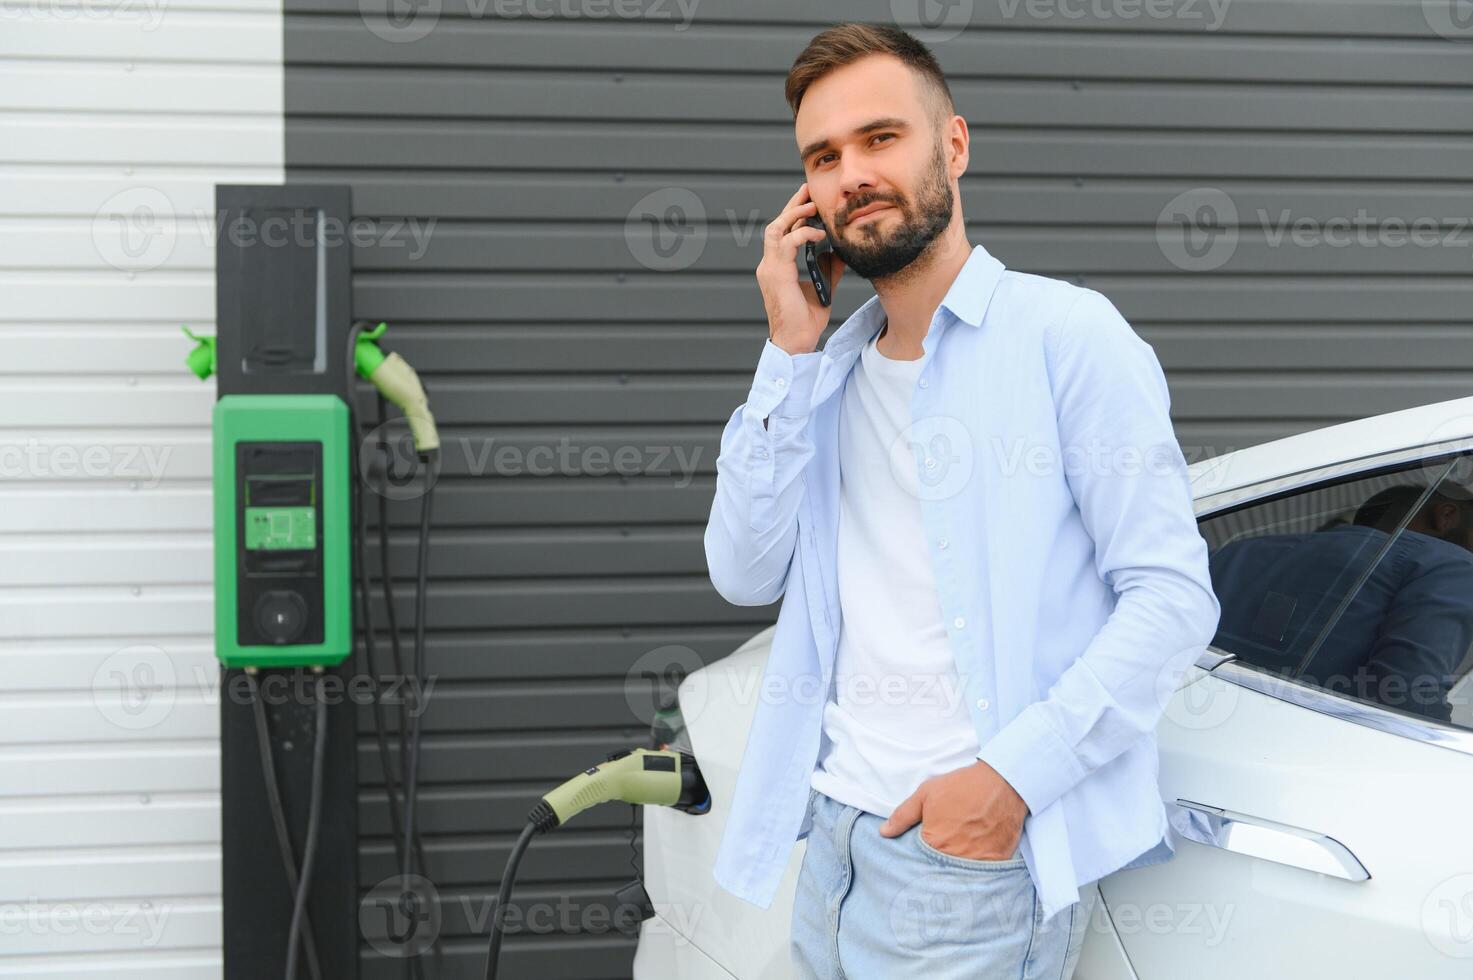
(1446, 515)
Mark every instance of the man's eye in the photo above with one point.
(877, 136)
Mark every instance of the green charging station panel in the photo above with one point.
(282, 561)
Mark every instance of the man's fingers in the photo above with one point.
(905, 816)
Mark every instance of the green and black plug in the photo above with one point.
(650, 777)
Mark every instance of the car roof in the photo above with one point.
(1372, 436)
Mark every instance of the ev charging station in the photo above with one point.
(285, 440)
(289, 532)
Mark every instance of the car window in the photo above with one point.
(1362, 587)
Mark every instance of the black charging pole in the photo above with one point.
(283, 310)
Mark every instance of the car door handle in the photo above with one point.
(1257, 837)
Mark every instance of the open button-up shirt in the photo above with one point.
(1073, 581)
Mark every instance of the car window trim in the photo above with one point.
(1226, 666)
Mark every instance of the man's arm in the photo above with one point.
(1424, 636)
(753, 529)
(1111, 398)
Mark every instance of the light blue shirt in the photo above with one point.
(1073, 581)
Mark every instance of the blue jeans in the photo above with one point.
(890, 908)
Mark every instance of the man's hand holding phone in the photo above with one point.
(795, 316)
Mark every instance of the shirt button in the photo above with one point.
(959, 622)
(782, 382)
(982, 703)
(762, 453)
(942, 543)
(930, 463)
(925, 383)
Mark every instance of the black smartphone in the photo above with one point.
(811, 252)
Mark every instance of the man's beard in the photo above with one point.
(873, 254)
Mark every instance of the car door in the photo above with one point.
(1325, 794)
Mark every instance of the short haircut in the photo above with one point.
(843, 44)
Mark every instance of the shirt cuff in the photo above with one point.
(783, 385)
(1036, 762)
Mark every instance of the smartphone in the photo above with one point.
(811, 252)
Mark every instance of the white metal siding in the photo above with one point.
(116, 122)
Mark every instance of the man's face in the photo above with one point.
(902, 164)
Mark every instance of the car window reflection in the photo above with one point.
(1375, 602)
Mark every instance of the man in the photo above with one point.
(976, 512)
(1399, 638)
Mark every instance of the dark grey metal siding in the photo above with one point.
(531, 140)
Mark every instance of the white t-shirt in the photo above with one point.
(895, 715)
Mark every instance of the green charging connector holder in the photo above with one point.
(282, 547)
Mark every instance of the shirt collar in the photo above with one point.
(967, 300)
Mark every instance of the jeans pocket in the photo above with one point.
(980, 864)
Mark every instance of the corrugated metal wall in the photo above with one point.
(548, 143)
(115, 123)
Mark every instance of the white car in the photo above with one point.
(1325, 830)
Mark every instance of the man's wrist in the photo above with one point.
(792, 351)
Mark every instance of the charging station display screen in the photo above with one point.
(280, 528)
(280, 513)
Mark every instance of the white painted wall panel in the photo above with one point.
(116, 122)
